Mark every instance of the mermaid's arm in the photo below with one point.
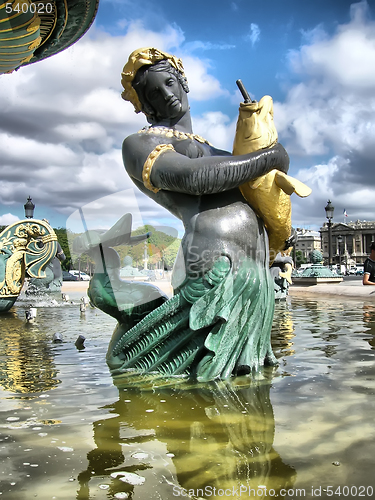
(204, 175)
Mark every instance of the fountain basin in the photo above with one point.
(71, 431)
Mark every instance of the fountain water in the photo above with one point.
(68, 430)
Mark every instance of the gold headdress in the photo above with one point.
(137, 59)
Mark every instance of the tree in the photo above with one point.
(299, 259)
(170, 253)
(159, 244)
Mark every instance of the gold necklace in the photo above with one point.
(170, 132)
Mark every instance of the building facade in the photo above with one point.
(307, 241)
(350, 242)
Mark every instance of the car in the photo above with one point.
(150, 273)
(359, 272)
(80, 275)
(66, 276)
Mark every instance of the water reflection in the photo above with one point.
(26, 360)
(369, 321)
(283, 330)
(88, 439)
(189, 440)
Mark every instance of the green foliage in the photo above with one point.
(62, 238)
(170, 253)
(300, 259)
(160, 248)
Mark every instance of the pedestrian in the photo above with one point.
(369, 267)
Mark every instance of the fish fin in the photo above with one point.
(255, 183)
(287, 274)
(290, 185)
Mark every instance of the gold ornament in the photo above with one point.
(143, 57)
(170, 132)
(149, 163)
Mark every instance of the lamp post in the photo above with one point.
(329, 208)
(339, 241)
(29, 208)
(145, 255)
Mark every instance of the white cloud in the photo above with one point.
(202, 85)
(330, 113)
(199, 45)
(333, 106)
(347, 59)
(64, 120)
(217, 128)
(8, 219)
(254, 34)
(26, 152)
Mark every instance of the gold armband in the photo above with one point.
(149, 163)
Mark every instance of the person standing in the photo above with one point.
(369, 267)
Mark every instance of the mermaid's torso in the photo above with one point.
(232, 230)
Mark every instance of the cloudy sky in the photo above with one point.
(62, 120)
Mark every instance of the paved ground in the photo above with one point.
(81, 286)
(350, 287)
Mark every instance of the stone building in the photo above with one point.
(307, 241)
(350, 242)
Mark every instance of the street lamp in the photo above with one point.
(339, 241)
(145, 255)
(29, 208)
(329, 208)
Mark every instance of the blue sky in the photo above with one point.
(62, 120)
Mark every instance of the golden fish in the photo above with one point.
(268, 195)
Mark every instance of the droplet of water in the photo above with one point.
(129, 477)
(104, 486)
(139, 455)
(13, 419)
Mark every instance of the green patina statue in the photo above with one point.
(31, 31)
(281, 272)
(127, 301)
(52, 282)
(218, 322)
(26, 248)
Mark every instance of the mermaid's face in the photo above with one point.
(166, 96)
